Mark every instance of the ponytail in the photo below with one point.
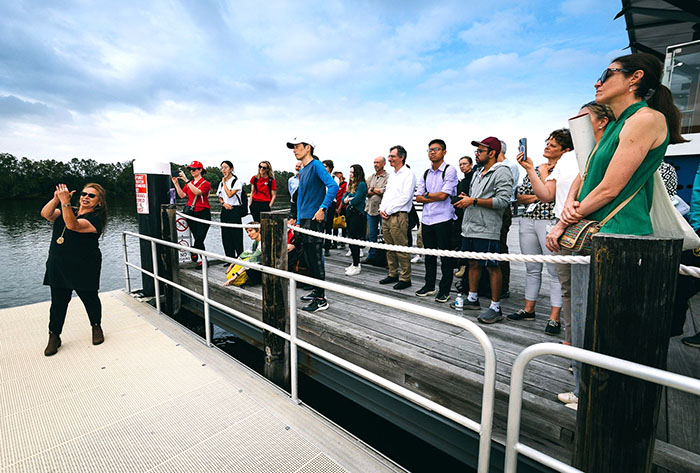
(650, 85)
(662, 100)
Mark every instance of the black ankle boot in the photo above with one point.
(97, 335)
(52, 346)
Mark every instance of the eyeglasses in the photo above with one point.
(603, 77)
(89, 194)
(263, 167)
(479, 151)
(434, 150)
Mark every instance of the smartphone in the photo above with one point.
(522, 147)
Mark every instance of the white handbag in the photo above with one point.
(667, 221)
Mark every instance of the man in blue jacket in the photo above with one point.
(317, 189)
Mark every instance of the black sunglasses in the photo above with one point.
(262, 167)
(603, 77)
(89, 194)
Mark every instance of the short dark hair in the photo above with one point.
(400, 151)
(563, 137)
(468, 158)
(329, 163)
(438, 142)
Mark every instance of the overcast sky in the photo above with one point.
(210, 80)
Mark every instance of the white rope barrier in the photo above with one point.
(219, 224)
(690, 271)
(683, 270)
(450, 253)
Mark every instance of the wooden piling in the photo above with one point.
(275, 306)
(630, 303)
(169, 258)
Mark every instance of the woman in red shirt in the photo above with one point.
(263, 190)
(197, 191)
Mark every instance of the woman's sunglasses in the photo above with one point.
(603, 77)
(89, 194)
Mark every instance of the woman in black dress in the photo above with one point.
(75, 259)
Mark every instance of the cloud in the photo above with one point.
(574, 8)
(12, 107)
(501, 29)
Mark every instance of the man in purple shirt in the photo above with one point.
(436, 187)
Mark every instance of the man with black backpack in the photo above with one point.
(435, 191)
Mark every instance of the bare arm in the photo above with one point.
(641, 133)
(544, 191)
(50, 211)
(72, 223)
(274, 196)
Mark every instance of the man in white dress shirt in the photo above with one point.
(394, 209)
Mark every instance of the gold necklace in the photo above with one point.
(60, 240)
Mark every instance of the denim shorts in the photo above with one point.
(482, 245)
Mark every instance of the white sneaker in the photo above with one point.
(349, 253)
(572, 405)
(568, 398)
(349, 268)
(353, 270)
(416, 259)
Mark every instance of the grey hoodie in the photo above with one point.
(482, 222)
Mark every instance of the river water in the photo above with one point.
(24, 246)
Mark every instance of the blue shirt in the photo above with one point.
(317, 189)
(441, 210)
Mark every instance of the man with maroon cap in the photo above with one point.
(490, 193)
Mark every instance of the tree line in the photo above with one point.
(22, 178)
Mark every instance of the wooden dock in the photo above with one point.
(151, 398)
(445, 363)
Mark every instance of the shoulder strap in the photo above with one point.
(425, 174)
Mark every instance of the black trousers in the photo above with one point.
(438, 236)
(60, 298)
(232, 238)
(257, 207)
(312, 252)
(357, 230)
(328, 225)
(505, 265)
(199, 230)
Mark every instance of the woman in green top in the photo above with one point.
(354, 198)
(631, 148)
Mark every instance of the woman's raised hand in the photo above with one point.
(63, 193)
(525, 162)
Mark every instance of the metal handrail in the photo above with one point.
(484, 428)
(636, 370)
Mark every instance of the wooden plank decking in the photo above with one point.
(445, 363)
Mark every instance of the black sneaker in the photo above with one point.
(490, 316)
(402, 285)
(442, 297)
(425, 291)
(309, 297)
(522, 314)
(472, 305)
(389, 280)
(316, 305)
(693, 341)
(552, 328)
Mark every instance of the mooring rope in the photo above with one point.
(683, 269)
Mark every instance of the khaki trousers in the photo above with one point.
(395, 229)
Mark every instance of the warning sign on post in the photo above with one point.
(141, 193)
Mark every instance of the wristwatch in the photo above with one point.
(426, 194)
(475, 199)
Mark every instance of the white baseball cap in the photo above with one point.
(299, 139)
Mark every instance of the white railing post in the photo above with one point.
(127, 282)
(205, 293)
(293, 355)
(154, 258)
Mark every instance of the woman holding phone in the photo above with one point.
(536, 222)
(196, 191)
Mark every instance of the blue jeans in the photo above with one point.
(373, 222)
